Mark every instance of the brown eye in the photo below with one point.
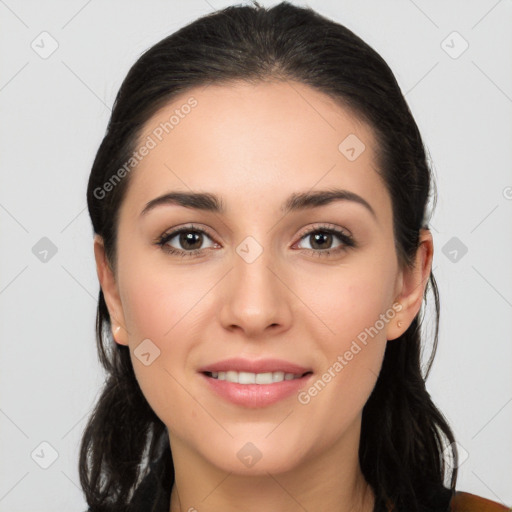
(186, 241)
(190, 239)
(321, 241)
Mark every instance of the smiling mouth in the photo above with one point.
(254, 378)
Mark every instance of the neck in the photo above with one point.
(331, 482)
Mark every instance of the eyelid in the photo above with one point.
(190, 227)
(306, 231)
(344, 235)
(319, 226)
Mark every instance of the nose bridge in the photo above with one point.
(256, 298)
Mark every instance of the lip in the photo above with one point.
(258, 366)
(255, 395)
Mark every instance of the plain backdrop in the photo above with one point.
(61, 66)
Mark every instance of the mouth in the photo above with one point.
(245, 378)
(253, 384)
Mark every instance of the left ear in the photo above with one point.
(412, 284)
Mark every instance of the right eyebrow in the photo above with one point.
(197, 200)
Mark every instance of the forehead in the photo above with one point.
(257, 142)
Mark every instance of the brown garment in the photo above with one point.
(444, 500)
(466, 502)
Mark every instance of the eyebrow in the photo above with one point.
(295, 202)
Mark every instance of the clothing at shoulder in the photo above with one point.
(466, 502)
(443, 499)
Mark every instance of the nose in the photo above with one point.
(256, 299)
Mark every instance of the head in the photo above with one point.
(280, 267)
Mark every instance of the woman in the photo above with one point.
(259, 209)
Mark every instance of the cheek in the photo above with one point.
(354, 350)
(348, 300)
(158, 300)
(354, 306)
(162, 305)
(351, 365)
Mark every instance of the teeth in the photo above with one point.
(278, 376)
(254, 378)
(231, 376)
(264, 378)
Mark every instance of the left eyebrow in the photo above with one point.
(301, 201)
(297, 201)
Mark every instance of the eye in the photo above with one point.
(321, 239)
(190, 241)
(190, 238)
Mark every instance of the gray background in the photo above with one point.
(54, 114)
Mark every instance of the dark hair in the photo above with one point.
(403, 434)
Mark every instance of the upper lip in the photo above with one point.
(258, 366)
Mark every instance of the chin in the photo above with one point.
(253, 455)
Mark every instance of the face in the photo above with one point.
(261, 287)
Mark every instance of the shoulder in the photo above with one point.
(466, 502)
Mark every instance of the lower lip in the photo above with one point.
(256, 395)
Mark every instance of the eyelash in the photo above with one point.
(347, 241)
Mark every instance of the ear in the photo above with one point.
(110, 292)
(412, 284)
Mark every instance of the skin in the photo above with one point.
(254, 145)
